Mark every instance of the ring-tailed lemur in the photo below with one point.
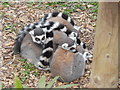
(32, 26)
(32, 51)
(46, 39)
(47, 28)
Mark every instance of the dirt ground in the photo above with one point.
(14, 16)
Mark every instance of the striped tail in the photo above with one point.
(48, 27)
(57, 14)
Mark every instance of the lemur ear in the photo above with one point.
(77, 28)
(31, 32)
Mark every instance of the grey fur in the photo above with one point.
(31, 51)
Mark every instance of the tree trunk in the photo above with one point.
(104, 73)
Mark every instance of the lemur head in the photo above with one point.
(86, 56)
(38, 36)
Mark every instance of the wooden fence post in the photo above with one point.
(104, 73)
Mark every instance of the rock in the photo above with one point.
(68, 65)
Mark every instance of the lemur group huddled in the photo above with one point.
(42, 33)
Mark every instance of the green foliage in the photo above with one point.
(28, 67)
(9, 28)
(93, 3)
(77, 6)
(5, 3)
(68, 11)
(83, 8)
(54, 3)
(42, 83)
(22, 60)
(1, 86)
(66, 86)
(94, 9)
(52, 82)
(17, 82)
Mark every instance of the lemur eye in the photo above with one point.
(87, 54)
(37, 39)
(43, 38)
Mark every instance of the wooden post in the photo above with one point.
(104, 73)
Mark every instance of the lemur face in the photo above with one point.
(38, 36)
(87, 55)
(40, 39)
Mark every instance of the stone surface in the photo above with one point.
(68, 65)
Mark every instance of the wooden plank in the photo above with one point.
(104, 73)
(119, 41)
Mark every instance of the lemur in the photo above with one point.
(32, 26)
(47, 36)
(31, 51)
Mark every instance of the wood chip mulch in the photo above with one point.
(14, 16)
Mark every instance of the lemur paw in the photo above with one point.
(43, 63)
(43, 67)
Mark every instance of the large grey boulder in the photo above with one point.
(68, 65)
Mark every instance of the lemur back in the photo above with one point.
(66, 23)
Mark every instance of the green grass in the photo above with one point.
(93, 3)
(9, 28)
(83, 8)
(94, 9)
(25, 74)
(77, 6)
(28, 67)
(42, 83)
(68, 11)
(70, 6)
(7, 4)
(55, 3)
(31, 4)
(17, 83)
(1, 85)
